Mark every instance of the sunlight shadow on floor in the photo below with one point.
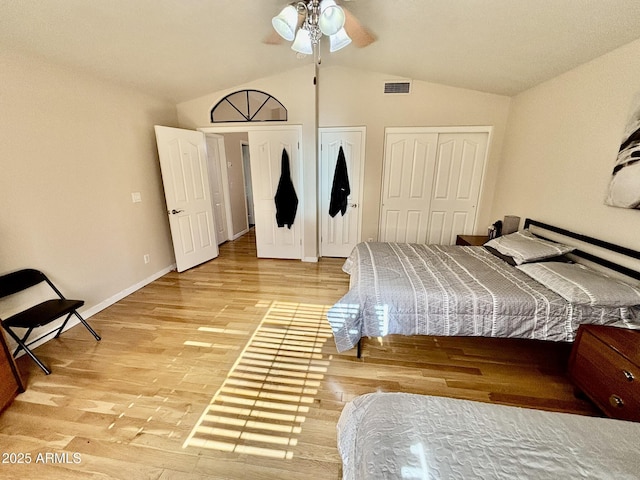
(261, 405)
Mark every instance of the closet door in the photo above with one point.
(339, 234)
(406, 188)
(431, 184)
(457, 179)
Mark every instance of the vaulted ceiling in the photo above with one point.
(181, 49)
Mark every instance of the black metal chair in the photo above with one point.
(38, 315)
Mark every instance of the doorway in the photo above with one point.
(229, 154)
(265, 146)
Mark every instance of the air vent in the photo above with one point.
(397, 87)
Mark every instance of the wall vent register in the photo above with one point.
(397, 87)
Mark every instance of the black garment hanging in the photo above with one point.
(286, 198)
(340, 189)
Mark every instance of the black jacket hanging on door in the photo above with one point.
(286, 198)
(340, 189)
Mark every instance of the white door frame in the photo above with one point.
(454, 129)
(244, 144)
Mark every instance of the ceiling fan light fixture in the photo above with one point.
(305, 22)
(302, 43)
(331, 18)
(339, 40)
(285, 22)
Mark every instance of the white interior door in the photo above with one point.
(183, 161)
(456, 186)
(265, 150)
(406, 189)
(339, 234)
(215, 147)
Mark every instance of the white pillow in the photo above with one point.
(581, 285)
(525, 247)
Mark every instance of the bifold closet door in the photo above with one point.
(457, 179)
(431, 185)
(406, 189)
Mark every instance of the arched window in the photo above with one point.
(248, 106)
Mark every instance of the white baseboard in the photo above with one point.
(310, 259)
(239, 234)
(91, 311)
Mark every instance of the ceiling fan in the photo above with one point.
(305, 22)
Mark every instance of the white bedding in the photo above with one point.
(407, 436)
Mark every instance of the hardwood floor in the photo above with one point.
(229, 371)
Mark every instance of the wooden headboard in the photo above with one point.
(623, 260)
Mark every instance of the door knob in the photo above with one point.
(174, 211)
(354, 205)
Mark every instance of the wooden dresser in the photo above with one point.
(605, 365)
(10, 381)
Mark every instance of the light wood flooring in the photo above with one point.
(229, 371)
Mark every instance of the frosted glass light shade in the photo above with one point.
(302, 43)
(339, 40)
(285, 22)
(331, 18)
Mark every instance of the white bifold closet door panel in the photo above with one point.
(406, 189)
(431, 185)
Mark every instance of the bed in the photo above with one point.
(408, 436)
(514, 288)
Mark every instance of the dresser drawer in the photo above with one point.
(10, 383)
(607, 377)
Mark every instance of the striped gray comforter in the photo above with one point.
(416, 289)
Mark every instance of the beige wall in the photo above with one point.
(235, 173)
(561, 145)
(73, 150)
(348, 97)
(351, 97)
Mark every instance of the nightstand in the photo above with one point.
(472, 240)
(605, 366)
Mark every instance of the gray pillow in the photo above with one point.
(525, 247)
(581, 285)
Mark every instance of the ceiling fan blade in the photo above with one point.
(359, 34)
(272, 38)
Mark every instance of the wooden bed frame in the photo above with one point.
(608, 256)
